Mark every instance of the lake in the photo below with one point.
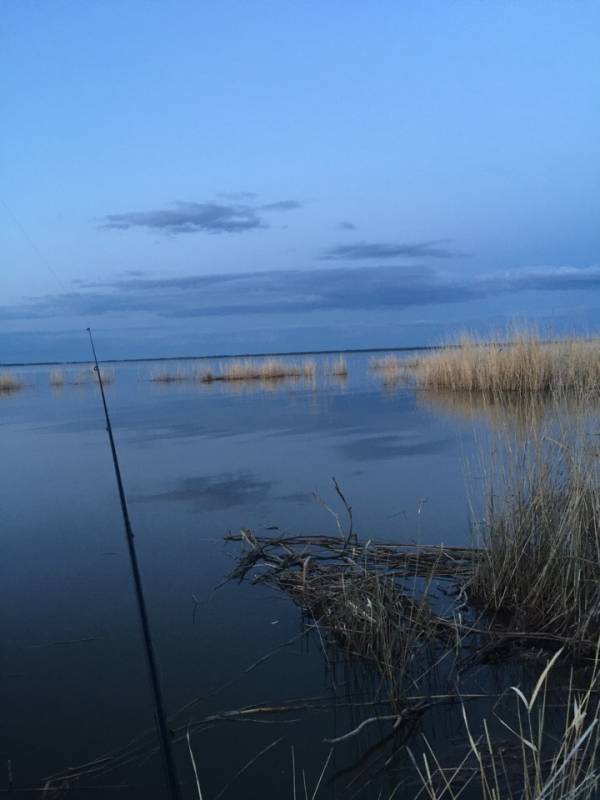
(200, 461)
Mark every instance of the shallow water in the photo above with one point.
(198, 461)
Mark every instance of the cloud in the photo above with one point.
(292, 292)
(199, 217)
(547, 279)
(347, 226)
(273, 292)
(377, 250)
(281, 205)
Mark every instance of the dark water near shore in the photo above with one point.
(198, 461)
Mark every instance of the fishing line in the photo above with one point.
(164, 733)
(33, 245)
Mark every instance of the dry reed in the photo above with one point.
(268, 370)
(9, 383)
(541, 541)
(523, 365)
(372, 599)
(545, 758)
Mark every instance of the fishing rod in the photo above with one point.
(164, 733)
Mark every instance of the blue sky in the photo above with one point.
(227, 177)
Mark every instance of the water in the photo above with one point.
(197, 461)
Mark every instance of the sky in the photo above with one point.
(194, 178)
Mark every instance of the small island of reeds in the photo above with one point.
(9, 382)
(523, 364)
(267, 370)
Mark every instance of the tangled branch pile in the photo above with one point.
(374, 599)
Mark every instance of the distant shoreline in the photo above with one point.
(343, 351)
(280, 353)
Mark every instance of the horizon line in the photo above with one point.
(141, 359)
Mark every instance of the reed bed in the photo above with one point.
(540, 568)
(523, 365)
(379, 602)
(10, 383)
(363, 596)
(532, 575)
(268, 370)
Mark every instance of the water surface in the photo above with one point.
(197, 461)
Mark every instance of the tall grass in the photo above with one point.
(270, 369)
(540, 760)
(540, 568)
(523, 365)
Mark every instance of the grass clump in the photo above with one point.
(540, 567)
(9, 382)
(523, 365)
(269, 370)
(550, 754)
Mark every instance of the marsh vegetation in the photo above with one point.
(522, 365)
(265, 370)
(527, 590)
(10, 382)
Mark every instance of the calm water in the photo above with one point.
(198, 461)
